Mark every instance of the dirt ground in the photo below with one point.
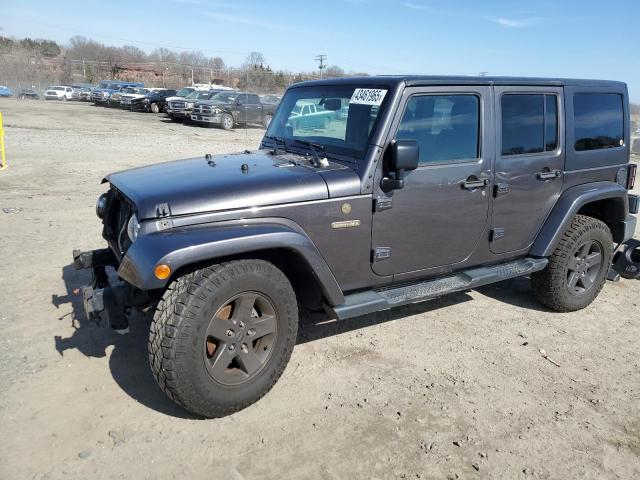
(453, 388)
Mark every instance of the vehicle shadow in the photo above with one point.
(128, 361)
(515, 291)
(188, 123)
(318, 325)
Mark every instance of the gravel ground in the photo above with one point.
(453, 388)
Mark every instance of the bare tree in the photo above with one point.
(254, 60)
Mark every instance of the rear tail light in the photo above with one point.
(631, 180)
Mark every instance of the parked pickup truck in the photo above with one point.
(154, 101)
(101, 95)
(310, 116)
(227, 109)
(180, 108)
(58, 92)
(429, 186)
(136, 93)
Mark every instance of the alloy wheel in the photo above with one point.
(240, 338)
(584, 266)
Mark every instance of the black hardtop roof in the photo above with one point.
(425, 80)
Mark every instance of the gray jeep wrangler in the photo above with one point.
(408, 189)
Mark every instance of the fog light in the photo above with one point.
(162, 272)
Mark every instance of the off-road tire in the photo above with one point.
(225, 123)
(550, 285)
(176, 339)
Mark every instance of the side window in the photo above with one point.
(254, 99)
(529, 123)
(242, 99)
(446, 127)
(598, 120)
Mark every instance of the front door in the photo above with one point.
(441, 214)
(529, 163)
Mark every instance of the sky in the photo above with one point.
(562, 38)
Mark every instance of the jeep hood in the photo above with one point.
(231, 181)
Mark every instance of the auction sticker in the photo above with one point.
(367, 96)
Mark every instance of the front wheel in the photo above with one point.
(226, 122)
(266, 121)
(222, 336)
(154, 108)
(577, 268)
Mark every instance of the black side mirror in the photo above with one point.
(401, 156)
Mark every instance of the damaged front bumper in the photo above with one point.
(102, 301)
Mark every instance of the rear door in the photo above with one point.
(529, 163)
(254, 108)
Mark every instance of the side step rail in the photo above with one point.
(377, 300)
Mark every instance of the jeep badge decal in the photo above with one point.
(345, 224)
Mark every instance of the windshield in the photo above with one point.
(183, 92)
(194, 94)
(338, 117)
(224, 97)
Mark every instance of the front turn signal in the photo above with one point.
(162, 272)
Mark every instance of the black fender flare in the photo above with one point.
(180, 247)
(568, 205)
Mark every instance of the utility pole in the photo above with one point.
(321, 58)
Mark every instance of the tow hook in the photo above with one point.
(626, 261)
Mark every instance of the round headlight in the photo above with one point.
(101, 205)
(133, 227)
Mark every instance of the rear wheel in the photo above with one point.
(222, 336)
(577, 268)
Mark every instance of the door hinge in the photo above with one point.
(163, 210)
(497, 234)
(380, 204)
(380, 253)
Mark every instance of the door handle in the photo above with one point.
(548, 174)
(470, 184)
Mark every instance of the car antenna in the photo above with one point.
(246, 140)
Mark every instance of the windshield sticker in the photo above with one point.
(367, 96)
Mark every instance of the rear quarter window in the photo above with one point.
(598, 121)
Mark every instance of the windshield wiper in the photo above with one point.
(312, 146)
(275, 141)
